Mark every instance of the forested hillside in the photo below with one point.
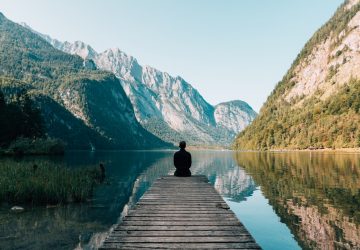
(84, 107)
(317, 103)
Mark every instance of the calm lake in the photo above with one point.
(302, 200)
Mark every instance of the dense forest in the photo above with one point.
(22, 126)
(19, 118)
(330, 124)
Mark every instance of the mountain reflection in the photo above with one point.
(222, 171)
(317, 195)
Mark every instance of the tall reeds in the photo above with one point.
(46, 184)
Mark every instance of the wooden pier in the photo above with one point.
(180, 213)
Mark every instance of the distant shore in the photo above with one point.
(207, 148)
(347, 150)
(325, 150)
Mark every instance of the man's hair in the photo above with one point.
(182, 144)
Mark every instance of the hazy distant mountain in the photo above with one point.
(317, 103)
(234, 115)
(83, 106)
(167, 106)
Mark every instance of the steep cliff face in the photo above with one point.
(85, 107)
(317, 103)
(160, 99)
(167, 106)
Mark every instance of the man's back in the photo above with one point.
(182, 162)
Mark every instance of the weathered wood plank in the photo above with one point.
(181, 207)
(243, 245)
(175, 228)
(181, 223)
(193, 219)
(179, 199)
(180, 239)
(180, 213)
(166, 233)
(190, 202)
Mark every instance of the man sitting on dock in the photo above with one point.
(182, 161)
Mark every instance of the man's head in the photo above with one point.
(182, 144)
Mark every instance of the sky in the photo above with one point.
(226, 49)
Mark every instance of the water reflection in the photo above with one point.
(281, 197)
(75, 225)
(316, 195)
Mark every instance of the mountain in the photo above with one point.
(234, 115)
(167, 106)
(317, 103)
(85, 107)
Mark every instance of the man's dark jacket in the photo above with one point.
(182, 162)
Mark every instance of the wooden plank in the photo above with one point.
(181, 223)
(243, 245)
(144, 213)
(183, 215)
(165, 202)
(188, 193)
(196, 199)
(176, 209)
(178, 213)
(170, 219)
(176, 228)
(190, 196)
(181, 207)
(164, 233)
(182, 201)
(224, 214)
(180, 239)
(183, 197)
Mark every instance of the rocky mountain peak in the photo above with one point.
(331, 63)
(167, 106)
(351, 3)
(234, 115)
(79, 48)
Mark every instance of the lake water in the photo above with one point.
(302, 200)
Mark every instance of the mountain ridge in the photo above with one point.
(161, 100)
(63, 87)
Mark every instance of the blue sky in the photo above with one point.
(227, 49)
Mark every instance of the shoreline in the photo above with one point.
(343, 150)
(324, 150)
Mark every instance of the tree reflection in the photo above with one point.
(316, 194)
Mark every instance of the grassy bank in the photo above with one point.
(46, 184)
